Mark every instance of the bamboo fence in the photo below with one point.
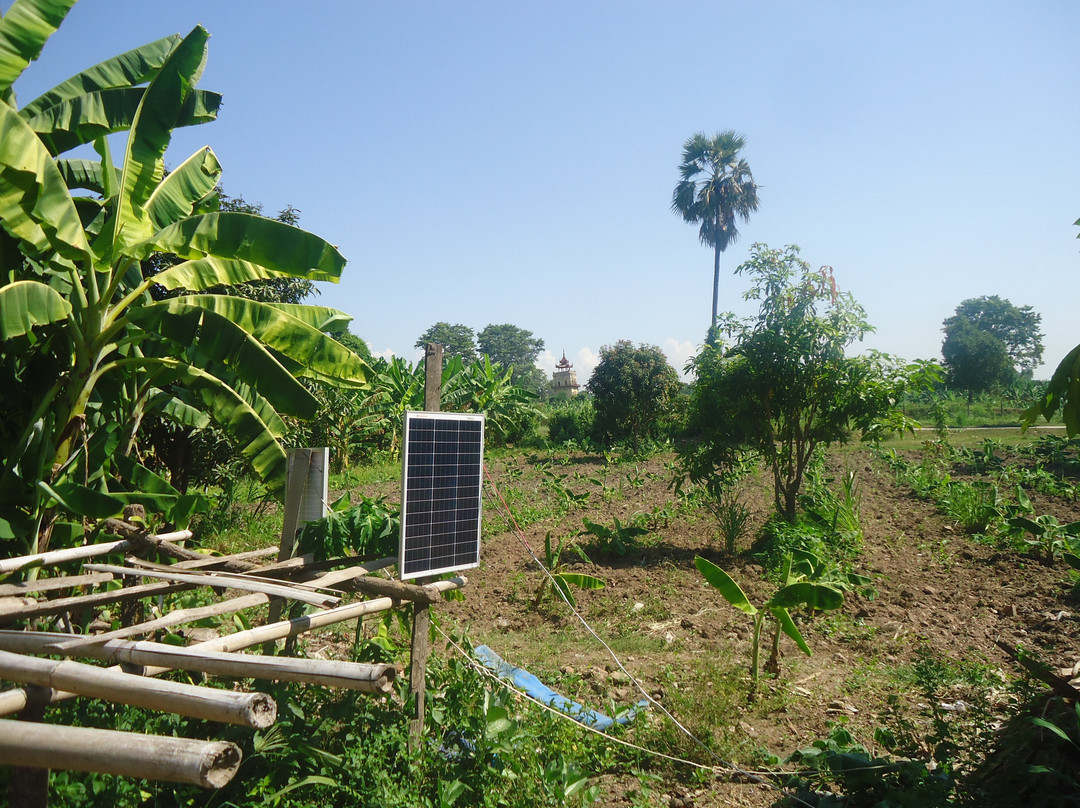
(210, 764)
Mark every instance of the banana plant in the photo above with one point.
(85, 344)
(795, 592)
(1051, 536)
(559, 577)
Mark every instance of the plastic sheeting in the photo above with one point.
(529, 684)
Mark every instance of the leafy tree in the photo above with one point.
(976, 360)
(87, 352)
(631, 389)
(1016, 326)
(516, 349)
(457, 340)
(781, 386)
(715, 186)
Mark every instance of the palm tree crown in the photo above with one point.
(715, 186)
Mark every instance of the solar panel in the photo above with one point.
(440, 493)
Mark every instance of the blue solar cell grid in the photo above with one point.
(441, 489)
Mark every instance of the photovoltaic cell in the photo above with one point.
(440, 493)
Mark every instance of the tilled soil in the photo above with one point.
(938, 591)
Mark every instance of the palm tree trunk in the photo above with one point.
(715, 293)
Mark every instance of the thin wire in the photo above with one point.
(720, 761)
(472, 663)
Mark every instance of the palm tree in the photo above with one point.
(715, 186)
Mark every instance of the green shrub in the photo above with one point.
(571, 421)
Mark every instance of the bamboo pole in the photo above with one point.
(327, 673)
(52, 584)
(255, 710)
(13, 701)
(54, 557)
(174, 618)
(240, 582)
(180, 616)
(17, 608)
(207, 560)
(210, 764)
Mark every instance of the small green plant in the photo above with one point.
(795, 592)
(733, 517)
(1064, 777)
(619, 539)
(368, 528)
(839, 763)
(1054, 539)
(558, 576)
(975, 506)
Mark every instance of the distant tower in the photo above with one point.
(564, 379)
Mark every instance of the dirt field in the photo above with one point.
(939, 595)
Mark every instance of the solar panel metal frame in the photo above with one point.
(441, 487)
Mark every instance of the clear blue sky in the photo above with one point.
(491, 162)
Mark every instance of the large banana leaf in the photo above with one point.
(206, 273)
(24, 304)
(727, 587)
(311, 352)
(78, 500)
(87, 175)
(134, 67)
(24, 30)
(1063, 391)
(806, 593)
(783, 618)
(217, 337)
(177, 194)
(144, 163)
(322, 318)
(35, 205)
(76, 121)
(241, 236)
(238, 419)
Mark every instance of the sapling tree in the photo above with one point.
(796, 591)
(779, 385)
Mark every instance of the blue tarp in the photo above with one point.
(529, 684)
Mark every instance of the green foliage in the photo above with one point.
(1063, 776)
(560, 577)
(976, 360)
(733, 517)
(796, 590)
(457, 340)
(631, 389)
(974, 506)
(1054, 539)
(619, 539)
(571, 419)
(839, 772)
(516, 350)
(1062, 393)
(715, 188)
(369, 527)
(77, 387)
(1017, 327)
(481, 748)
(783, 385)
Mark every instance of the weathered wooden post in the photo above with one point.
(421, 628)
(303, 503)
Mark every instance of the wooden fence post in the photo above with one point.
(421, 628)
